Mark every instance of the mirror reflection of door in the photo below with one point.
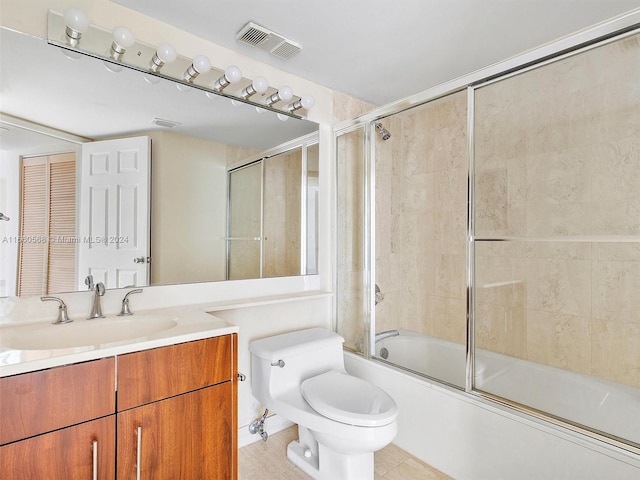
(313, 193)
(273, 216)
(46, 246)
(113, 239)
(244, 231)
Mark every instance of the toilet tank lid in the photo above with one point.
(294, 343)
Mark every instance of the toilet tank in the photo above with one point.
(305, 353)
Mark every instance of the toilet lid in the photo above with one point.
(348, 399)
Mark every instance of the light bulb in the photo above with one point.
(150, 79)
(200, 64)
(260, 110)
(282, 117)
(76, 20)
(165, 53)
(259, 85)
(231, 75)
(122, 39)
(77, 23)
(285, 93)
(307, 101)
(113, 67)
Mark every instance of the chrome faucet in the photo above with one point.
(387, 334)
(124, 311)
(63, 317)
(96, 309)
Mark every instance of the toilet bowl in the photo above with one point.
(341, 419)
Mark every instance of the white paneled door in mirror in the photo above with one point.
(113, 243)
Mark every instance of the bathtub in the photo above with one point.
(440, 359)
(605, 406)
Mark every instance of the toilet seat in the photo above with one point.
(348, 399)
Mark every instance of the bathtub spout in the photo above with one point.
(386, 334)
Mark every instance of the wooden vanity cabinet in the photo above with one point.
(174, 416)
(177, 411)
(59, 423)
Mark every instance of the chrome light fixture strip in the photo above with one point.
(96, 43)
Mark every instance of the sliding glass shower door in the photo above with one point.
(557, 238)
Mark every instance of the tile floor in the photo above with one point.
(268, 461)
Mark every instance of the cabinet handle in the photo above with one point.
(95, 460)
(138, 451)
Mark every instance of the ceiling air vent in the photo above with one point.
(258, 36)
(165, 123)
(253, 34)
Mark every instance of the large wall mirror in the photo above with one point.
(64, 119)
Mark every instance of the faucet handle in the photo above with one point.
(124, 311)
(63, 317)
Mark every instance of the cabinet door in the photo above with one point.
(82, 452)
(189, 436)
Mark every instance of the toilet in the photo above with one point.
(341, 419)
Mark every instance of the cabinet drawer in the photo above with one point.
(38, 402)
(152, 375)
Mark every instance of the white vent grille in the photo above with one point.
(165, 123)
(285, 50)
(258, 36)
(253, 34)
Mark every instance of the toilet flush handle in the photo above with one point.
(279, 363)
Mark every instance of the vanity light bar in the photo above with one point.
(164, 62)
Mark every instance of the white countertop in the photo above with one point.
(184, 324)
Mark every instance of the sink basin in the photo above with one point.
(80, 333)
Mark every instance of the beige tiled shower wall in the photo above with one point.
(557, 167)
(350, 291)
(281, 224)
(421, 219)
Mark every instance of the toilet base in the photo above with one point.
(327, 464)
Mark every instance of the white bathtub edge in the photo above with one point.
(475, 437)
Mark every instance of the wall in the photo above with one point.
(558, 173)
(282, 214)
(350, 233)
(421, 219)
(188, 224)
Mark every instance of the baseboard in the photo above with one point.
(274, 424)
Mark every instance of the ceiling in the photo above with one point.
(381, 50)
